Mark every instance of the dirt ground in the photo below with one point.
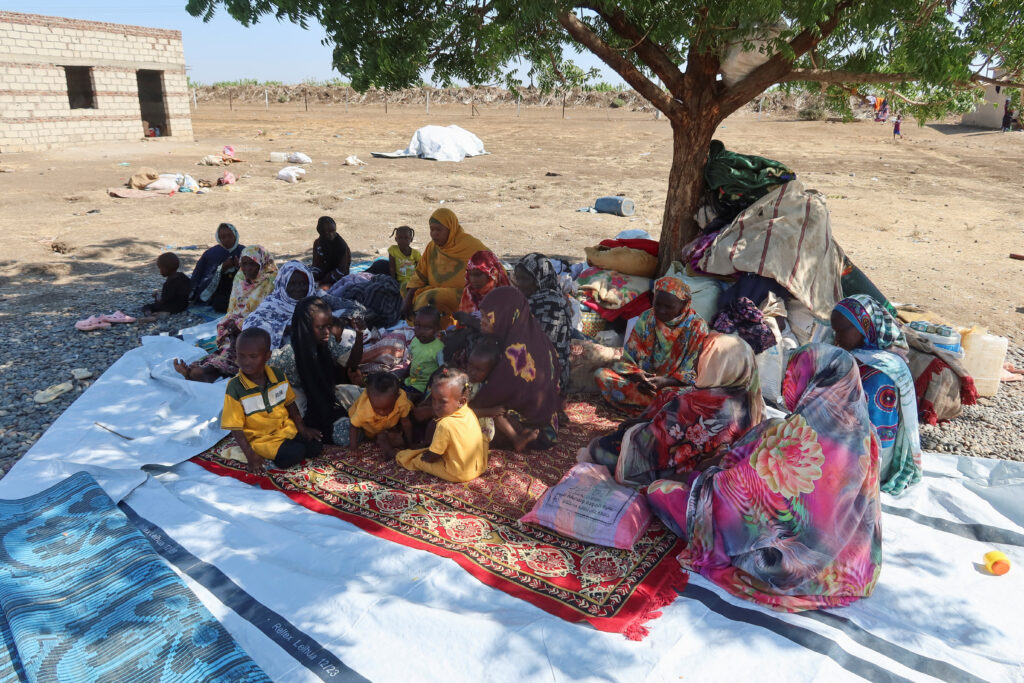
(931, 219)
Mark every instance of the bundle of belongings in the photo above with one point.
(765, 267)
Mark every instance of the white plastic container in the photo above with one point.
(279, 157)
(984, 355)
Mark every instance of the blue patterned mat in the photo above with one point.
(84, 597)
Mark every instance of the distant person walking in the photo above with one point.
(896, 128)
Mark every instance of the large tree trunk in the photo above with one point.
(690, 141)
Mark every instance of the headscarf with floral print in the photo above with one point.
(790, 517)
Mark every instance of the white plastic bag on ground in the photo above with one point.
(353, 160)
(299, 158)
(291, 174)
(163, 185)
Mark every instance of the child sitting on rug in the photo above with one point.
(402, 258)
(424, 351)
(173, 298)
(493, 421)
(382, 413)
(260, 410)
(457, 450)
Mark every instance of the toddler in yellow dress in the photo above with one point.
(457, 450)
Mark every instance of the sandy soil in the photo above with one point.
(931, 219)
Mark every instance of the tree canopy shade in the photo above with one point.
(933, 55)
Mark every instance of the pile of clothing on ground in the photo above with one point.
(766, 267)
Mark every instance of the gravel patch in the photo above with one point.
(42, 347)
(991, 428)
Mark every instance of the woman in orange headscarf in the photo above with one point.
(441, 274)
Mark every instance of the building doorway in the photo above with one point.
(152, 102)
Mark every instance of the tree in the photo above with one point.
(934, 55)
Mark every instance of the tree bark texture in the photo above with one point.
(690, 142)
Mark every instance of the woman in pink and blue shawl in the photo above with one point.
(866, 329)
(789, 518)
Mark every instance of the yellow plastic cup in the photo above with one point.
(997, 562)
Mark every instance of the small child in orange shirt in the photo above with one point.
(382, 413)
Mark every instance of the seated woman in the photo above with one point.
(215, 271)
(440, 274)
(864, 328)
(536, 279)
(293, 284)
(317, 361)
(660, 354)
(790, 517)
(524, 383)
(331, 256)
(253, 282)
(682, 432)
(484, 273)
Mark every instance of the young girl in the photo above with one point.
(402, 258)
(382, 414)
(457, 450)
(331, 255)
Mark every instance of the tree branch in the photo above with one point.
(582, 34)
(828, 76)
(983, 80)
(652, 54)
(779, 65)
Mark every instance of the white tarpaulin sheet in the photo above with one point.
(439, 143)
(312, 597)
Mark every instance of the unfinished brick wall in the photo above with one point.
(35, 111)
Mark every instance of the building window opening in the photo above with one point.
(81, 94)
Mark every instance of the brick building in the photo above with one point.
(66, 81)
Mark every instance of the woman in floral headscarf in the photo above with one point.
(661, 353)
(683, 431)
(866, 329)
(524, 382)
(253, 282)
(484, 273)
(790, 518)
(440, 275)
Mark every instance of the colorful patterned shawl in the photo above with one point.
(791, 517)
(245, 295)
(666, 349)
(486, 262)
(682, 430)
(900, 457)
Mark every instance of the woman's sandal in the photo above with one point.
(92, 323)
(50, 393)
(118, 318)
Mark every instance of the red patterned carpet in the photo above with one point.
(476, 524)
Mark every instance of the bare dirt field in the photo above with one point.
(932, 219)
